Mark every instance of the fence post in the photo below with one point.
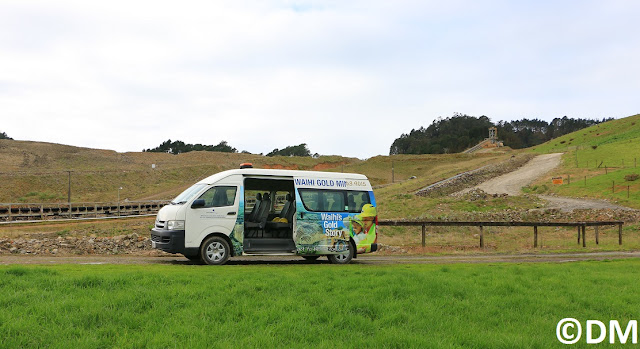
(597, 237)
(10, 218)
(481, 236)
(585, 181)
(578, 235)
(613, 187)
(620, 234)
(535, 236)
(569, 178)
(606, 171)
(424, 236)
(584, 242)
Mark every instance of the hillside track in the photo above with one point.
(512, 182)
(371, 259)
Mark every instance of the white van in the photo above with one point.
(270, 212)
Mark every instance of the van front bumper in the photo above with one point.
(171, 241)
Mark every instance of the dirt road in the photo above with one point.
(511, 183)
(294, 260)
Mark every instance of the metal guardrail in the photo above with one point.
(582, 226)
(19, 212)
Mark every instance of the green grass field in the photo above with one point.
(318, 306)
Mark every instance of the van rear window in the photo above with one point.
(326, 200)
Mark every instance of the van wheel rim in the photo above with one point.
(215, 251)
(341, 257)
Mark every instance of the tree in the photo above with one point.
(294, 150)
(178, 147)
(4, 136)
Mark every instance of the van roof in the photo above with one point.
(282, 173)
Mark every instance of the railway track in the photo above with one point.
(24, 212)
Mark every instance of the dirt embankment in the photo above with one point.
(81, 245)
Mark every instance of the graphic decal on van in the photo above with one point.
(321, 233)
(329, 232)
(363, 228)
(321, 183)
(237, 234)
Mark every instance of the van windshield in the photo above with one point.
(188, 194)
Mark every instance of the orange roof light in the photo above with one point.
(246, 165)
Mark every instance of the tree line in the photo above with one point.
(460, 132)
(178, 147)
(4, 136)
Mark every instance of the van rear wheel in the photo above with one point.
(344, 257)
(215, 251)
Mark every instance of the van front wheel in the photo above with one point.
(215, 251)
(344, 257)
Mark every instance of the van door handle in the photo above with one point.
(231, 214)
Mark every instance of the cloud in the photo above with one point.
(345, 78)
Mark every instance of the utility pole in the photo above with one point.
(69, 188)
(119, 188)
(392, 173)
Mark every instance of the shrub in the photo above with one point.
(594, 147)
(631, 177)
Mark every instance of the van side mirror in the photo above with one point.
(199, 203)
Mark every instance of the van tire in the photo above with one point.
(215, 251)
(343, 258)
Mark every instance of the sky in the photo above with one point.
(344, 77)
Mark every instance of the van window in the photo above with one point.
(357, 199)
(310, 199)
(279, 199)
(324, 200)
(219, 196)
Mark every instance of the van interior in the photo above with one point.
(269, 210)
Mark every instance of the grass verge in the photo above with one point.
(485, 305)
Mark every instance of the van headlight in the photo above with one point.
(175, 225)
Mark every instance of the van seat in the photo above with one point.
(260, 221)
(256, 208)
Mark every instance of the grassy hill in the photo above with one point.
(596, 161)
(37, 172)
